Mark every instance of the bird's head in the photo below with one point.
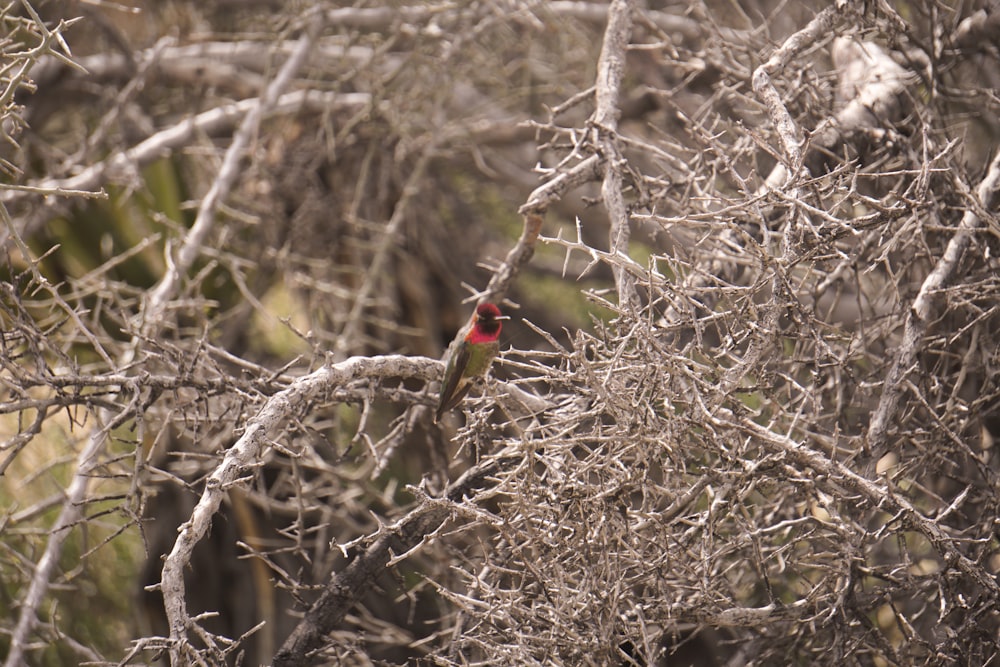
(487, 320)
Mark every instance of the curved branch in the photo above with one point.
(244, 455)
(762, 85)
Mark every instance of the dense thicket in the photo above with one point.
(746, 404)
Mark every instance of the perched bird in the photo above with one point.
(473, 357)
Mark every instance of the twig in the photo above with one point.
(686, 26)
(551, 191)
(352, 327)
(53, 192)
(533, 212)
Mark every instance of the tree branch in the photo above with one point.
(360, 575)
(918, 317)
(610, 70)
(155, 305)
(71, 512)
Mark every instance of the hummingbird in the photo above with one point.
(472, 358)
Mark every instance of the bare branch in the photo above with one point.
(341, 594)
(920, 313)
(610, 70)
(71, 512)
(178, 267)
(784, 125)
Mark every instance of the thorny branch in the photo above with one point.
(610, 71)
(919, 315)
(343, 593)
(762, 80)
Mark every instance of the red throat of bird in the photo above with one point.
(486, 327)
